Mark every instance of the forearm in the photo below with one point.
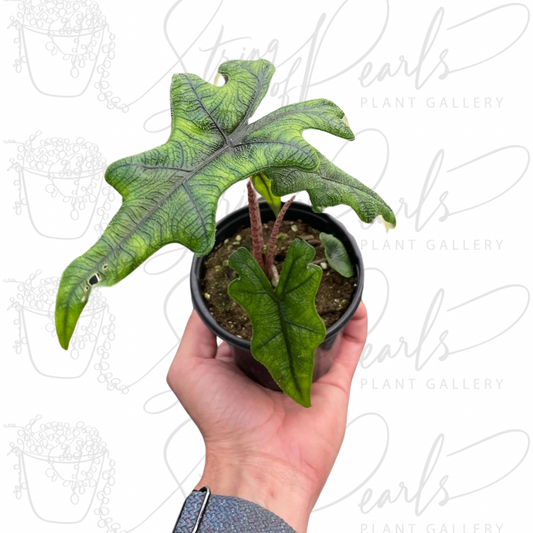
(275, 487)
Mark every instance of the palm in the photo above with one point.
(233, 411)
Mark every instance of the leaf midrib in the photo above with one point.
(277, 298)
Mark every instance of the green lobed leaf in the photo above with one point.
(337, 255)
(170, 193)
(327, 186)
(286, 328)
(263, 186)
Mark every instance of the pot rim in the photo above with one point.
(337, 227)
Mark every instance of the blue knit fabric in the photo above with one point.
(228, 514)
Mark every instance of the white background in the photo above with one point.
(440, 412)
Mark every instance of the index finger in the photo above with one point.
(353, 341)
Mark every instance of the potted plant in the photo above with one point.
(170, 195)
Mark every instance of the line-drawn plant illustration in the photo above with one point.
(64, 45)
(34, 303)
(65, 178)
(65, 470)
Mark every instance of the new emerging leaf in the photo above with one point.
(263, 186)
(337, 255)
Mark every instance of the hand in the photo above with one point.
(261, 445)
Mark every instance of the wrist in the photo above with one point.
(271, 485)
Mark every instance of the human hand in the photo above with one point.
(261, 445)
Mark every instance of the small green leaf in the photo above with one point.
(263, 186)
(286, 328)
(337, 255)
(329, 185)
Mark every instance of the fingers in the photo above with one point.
(353, 341)
(224, 352)
(356, 330)
(197, 342)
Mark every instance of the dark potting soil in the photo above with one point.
(332, 299)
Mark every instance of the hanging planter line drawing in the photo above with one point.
(72, 172)
(77, 458)
(49, 20)
(39, 444)
(36, 298)
(79, 43)
(34, 304)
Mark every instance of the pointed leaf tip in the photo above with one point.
(73, 294)
(387, 225)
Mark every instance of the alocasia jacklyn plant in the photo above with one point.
(170, 193)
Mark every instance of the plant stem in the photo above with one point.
(256, 226)
(272, 242)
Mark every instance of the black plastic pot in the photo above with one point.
(328, 350)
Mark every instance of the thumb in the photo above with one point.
(198, 342)
(352, 344)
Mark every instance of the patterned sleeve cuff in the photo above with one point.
(204, 512)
